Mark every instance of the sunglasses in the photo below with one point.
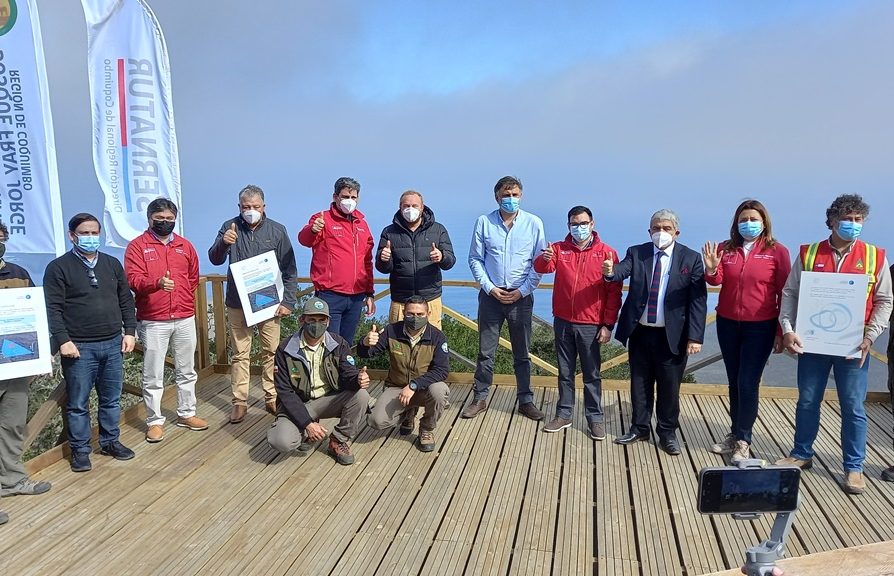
(94, 283)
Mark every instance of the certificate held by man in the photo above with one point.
(259, 284)
(831, 313)
(24, 333)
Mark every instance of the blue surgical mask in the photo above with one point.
(509, 204)
(580, 233)
(88, 244)
(751, 229)
(848, 230)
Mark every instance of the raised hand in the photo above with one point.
(372, 338)
(319, 223)
(435, 254)
(363, 378)
(230, 235)
(385, 256)
(165, 282)
(548, 253)
(711, 257)
(608, 267)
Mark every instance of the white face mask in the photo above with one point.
(251, 216)
(662, 239)
(347, 205)
(411, 214)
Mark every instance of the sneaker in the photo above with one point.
(597, 430)
(725, 446)
(426, 441)
(155, 433)
(340, 451)
(193, 423)
(528, 410)
(854, 483)
(4, 517)
(742, 452)
(26, 486)
(80, 462)
(408, 423)
(557, 424)
(117, 450)
(792, 461)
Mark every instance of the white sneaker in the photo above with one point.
(726, 446)
(742, 452)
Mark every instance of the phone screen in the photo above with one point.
(736, 490)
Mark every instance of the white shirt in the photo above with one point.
(662, 285)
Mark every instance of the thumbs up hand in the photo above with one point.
(230, 235)
(435, 254)
(165, 282)
(372, 338)
(608, 267)
(548, 253)
(385, 256)
(363, 378)
(319, 223)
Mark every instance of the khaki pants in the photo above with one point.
(240, 342)
(435, 311)
(349, 406)
(156, 336)
(388, 411)
(13, 416)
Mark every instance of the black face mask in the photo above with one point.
(315, 329)
(163, 227)
(415, 323)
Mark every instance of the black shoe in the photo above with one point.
(630, 438)
(528, 410)
(4, 517)
(888, 475)
(117, 450)
(304, 449)
(80, 462)
(670, 446)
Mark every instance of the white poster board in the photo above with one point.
(259, 284)
(24, 333)
(831, 312)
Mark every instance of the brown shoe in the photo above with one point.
(340, 451)
(597, 430)
(156, 433)
(238, 413)
(193, 423)
(557, 424)
(426, 441)
(528, 410)
(474, 409)
(854, 483)
(792, 461)
(270, 406)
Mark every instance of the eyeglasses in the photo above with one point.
(94, 283)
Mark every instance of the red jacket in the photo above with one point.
(342, 253)
(580, 295)
(752, 287)
(146, 260)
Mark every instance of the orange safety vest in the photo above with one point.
(862, 259)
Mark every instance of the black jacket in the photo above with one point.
(411, 270)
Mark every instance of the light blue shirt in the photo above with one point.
(503, 257)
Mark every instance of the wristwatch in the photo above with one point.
(413, 385)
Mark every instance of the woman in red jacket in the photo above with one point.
(752, 268)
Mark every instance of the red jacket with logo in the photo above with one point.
(752, 287)
(342, 252)
(146, 260)
(580, 295)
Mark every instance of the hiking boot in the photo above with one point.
(193, 423)
(725, 446)
(792, 461)
(155, 433)
(238, 413)
(597, 430)
(426, 441)
(474, 409)
(117, 450)
(408, 423)
(80, 462)
(888, 474)
(26, 486)
(556, 424)
(528, 410)
(854, 483)
(270, 407)
(742, 452)
(340, 451)
(4, 517)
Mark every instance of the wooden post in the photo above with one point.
(203, 351)
(220, 320)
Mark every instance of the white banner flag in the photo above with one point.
(29, 186)
(134, 143)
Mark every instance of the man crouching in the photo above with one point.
(418, 365)
(316, 377)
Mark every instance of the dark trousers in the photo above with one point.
(651, 363)
(573, 341)
(891, 367)
(745, 346)
(345, 311)
(491, 315)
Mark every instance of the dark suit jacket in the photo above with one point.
(685, 301)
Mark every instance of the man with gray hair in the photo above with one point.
(245, 236)
(662, 322)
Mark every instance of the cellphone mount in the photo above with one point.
(761, 559)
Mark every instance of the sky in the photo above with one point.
(625, 107)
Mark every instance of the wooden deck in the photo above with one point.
(497, 497)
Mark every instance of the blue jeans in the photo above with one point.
(851, 382)
(101, 364)
(573, 341)
(491, 315)
(745, 346)
(344, 312)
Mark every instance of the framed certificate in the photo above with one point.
(831, 312)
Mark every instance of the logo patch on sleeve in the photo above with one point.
(351, 360)
(444, 347)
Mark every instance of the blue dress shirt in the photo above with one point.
(503, 257)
